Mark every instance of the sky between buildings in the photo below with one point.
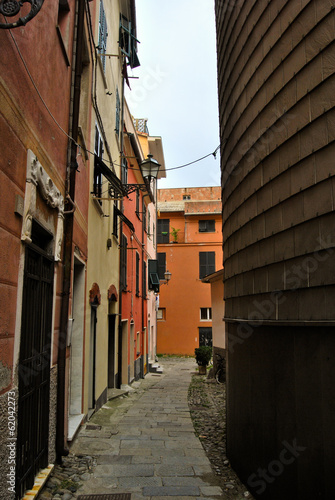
(177, 86)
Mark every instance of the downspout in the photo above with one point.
(121, 228)
(61, 448)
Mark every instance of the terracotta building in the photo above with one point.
(36, 159)
(189, 247)
(277, 121)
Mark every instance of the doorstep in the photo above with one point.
(40, 480)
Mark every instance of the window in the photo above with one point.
(123, 263)
(206, 263)
(207, 226)
(163, 230)
(205, 313)
(205, 336)
(137, 274)
(137, 209)
(144, 279)
(161, 257)
(144, 215)
(149, 224)
(161, 314)
(97, 176)
(115, 221)
(124, 171)
(102, 44)
(117, 112)
(127, 42)
(186, 197)
(153, 275)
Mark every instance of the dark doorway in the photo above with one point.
(111, 351)
(205, 336)
(93, 344)
(34, 365)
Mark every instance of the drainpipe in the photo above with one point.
(121, 228)
(61, 448)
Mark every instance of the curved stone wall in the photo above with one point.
(276, 65)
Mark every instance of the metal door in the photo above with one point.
(34, 368)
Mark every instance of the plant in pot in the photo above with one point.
(203, 355)
(174, 233)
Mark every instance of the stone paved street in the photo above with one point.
(144, 444)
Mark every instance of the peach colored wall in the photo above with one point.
(182, 298)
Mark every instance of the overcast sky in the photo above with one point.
(177, 86)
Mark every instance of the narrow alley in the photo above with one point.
(143, 445)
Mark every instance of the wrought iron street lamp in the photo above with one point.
(167, 277)
(149, 168)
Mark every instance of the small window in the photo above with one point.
(163, 231)
(186, 197)
(206, 263)
(206, 313)
(161, 314)
(207, 226)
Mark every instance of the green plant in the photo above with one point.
(203, 355)
(174, 233)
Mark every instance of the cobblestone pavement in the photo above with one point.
(144, 444)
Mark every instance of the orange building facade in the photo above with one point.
(189, 246)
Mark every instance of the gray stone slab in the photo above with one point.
(139, 482)
(169, 491)
(174, 470)
(148, 443)
(114, 459)
(146, 460)
(201, 470)
(211, 491)
(183, 481)
(119, 470)
(196, 460)
(145, 452)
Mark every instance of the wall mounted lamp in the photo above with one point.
(167, 277)
(149, 168)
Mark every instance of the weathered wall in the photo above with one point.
(277, 121)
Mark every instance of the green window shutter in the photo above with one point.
(137, 274)
(161, 257)
(206, 263)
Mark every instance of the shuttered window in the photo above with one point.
(137, 274)
(123, 258)
(206, 263)
(161, 257)
(163, 231)
(102, 45)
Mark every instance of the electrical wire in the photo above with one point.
(72, 139)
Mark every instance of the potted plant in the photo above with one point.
(203, 355)
(174, 233)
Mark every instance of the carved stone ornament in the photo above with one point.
(95, 295)
(11, 8)
(37, 178)
(112, 294)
